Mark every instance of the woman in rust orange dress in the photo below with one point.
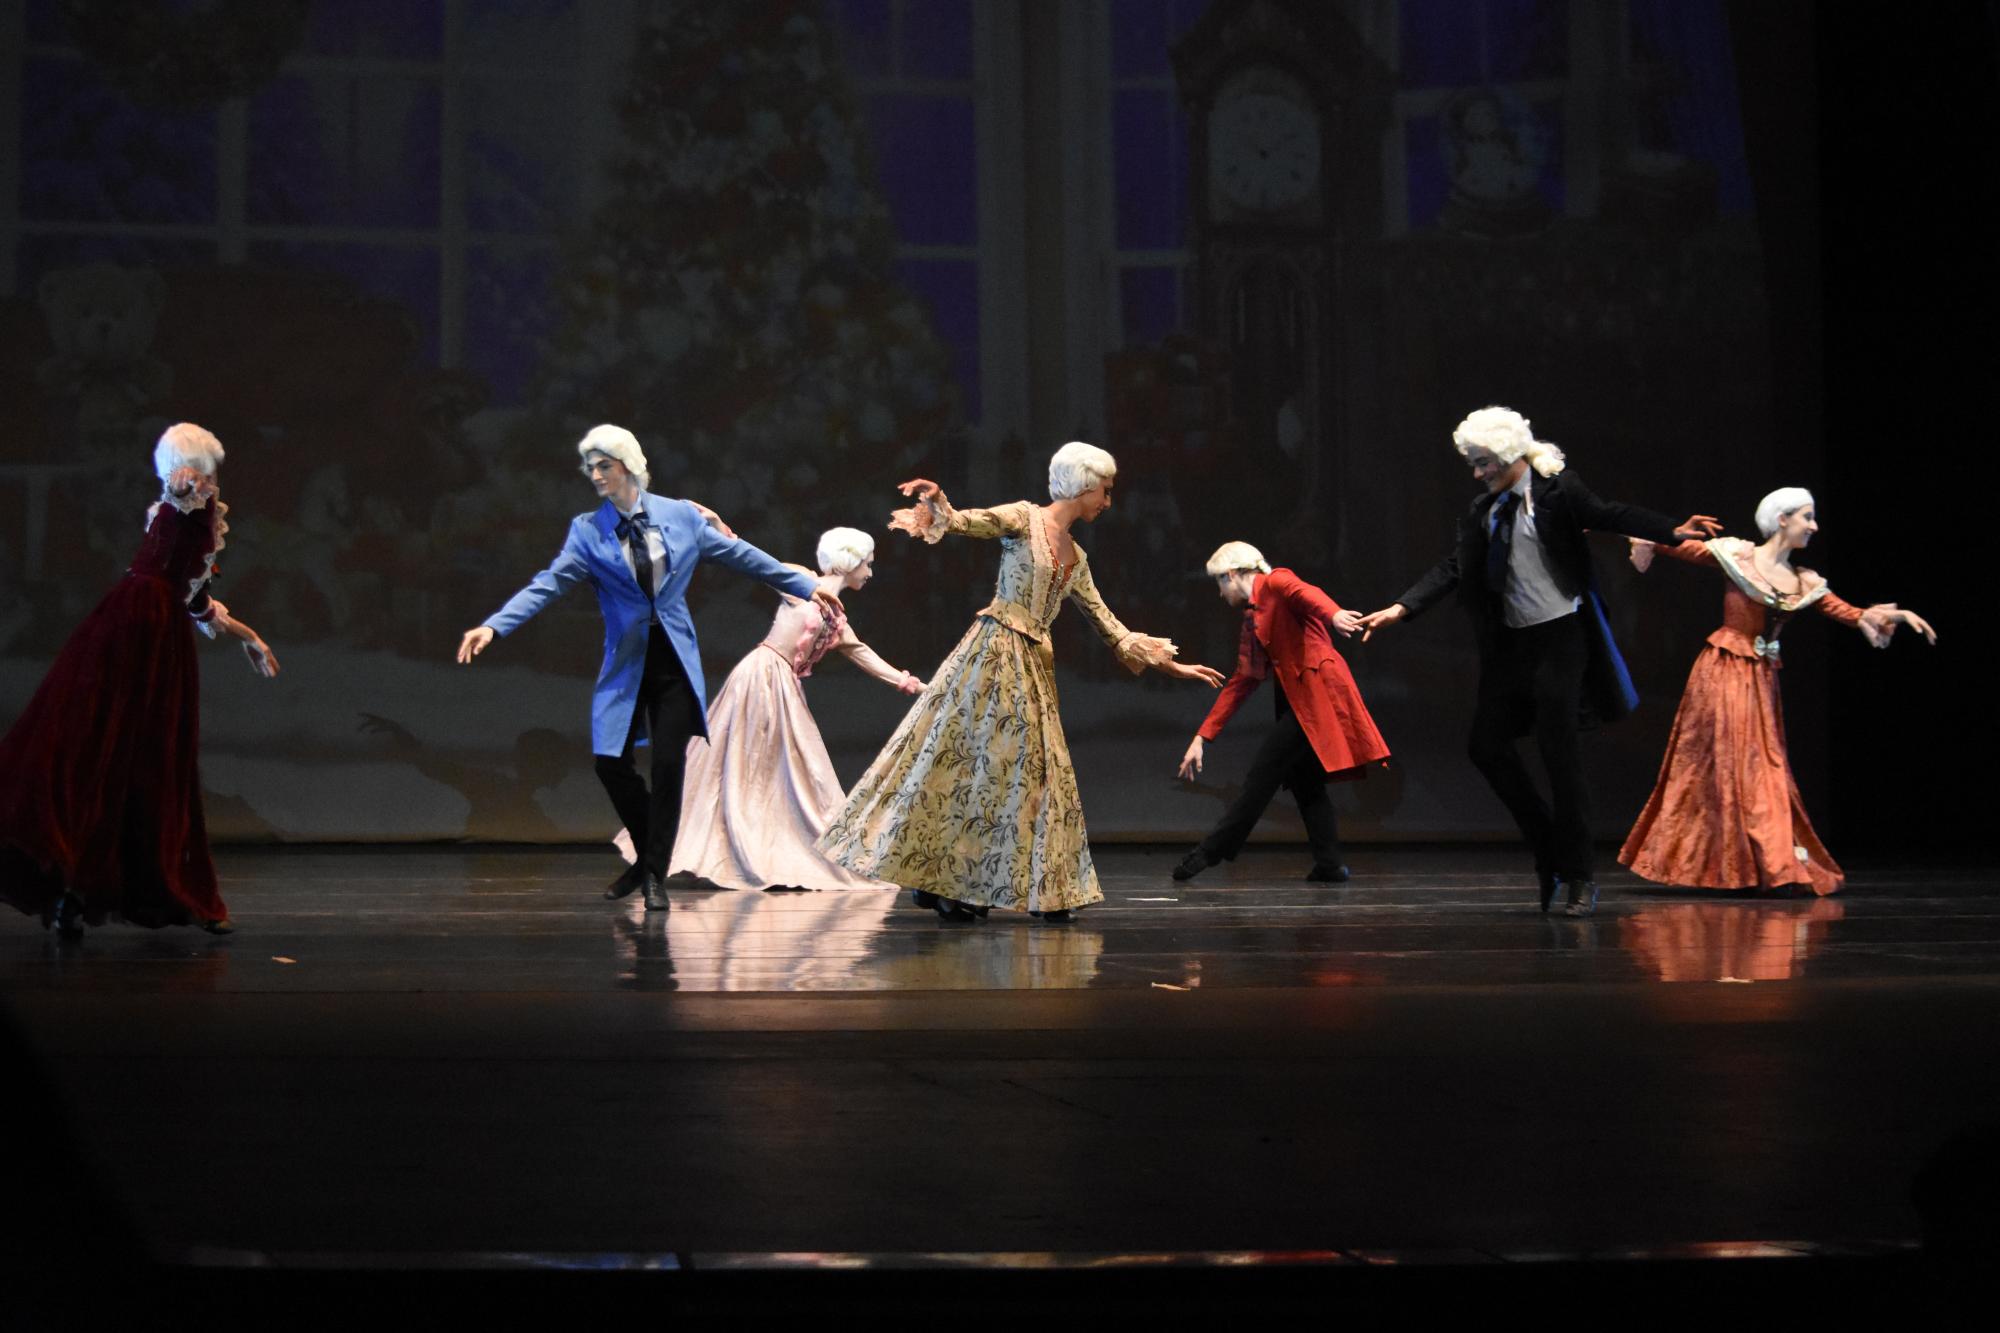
(1725, 813)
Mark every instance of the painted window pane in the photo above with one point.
(1143, 33)
(1149, 135)
(404, 276)
(950, 287)
(1526, 40)
(521, 34)
(1150, 300)
(1441, 44)
(925, 157)
(337, 149)
(866, 29)
(387, 29)
(88, 154)
(937, 39)
(520, 154)
(509, 313)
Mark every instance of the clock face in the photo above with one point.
(1263, 149)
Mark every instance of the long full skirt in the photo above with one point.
(760, 790)
(1725, 812)
(974, 797)
(100, 790)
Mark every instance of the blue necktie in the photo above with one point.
(1501, 543)
(633, 532)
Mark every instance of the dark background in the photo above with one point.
(400, 255)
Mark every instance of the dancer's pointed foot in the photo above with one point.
(1325, 874)
(950, 909)
(622, 887)
(219, 926)
(1193, 864)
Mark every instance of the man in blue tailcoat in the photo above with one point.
(639, 551)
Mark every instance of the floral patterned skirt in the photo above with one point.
(974, 797)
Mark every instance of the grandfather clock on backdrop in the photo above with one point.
(1286, 108)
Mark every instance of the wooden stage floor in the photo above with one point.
(409, 1055)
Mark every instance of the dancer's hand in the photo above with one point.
(917, 488)
(1387, 616)
(185, 479)
(474, 643)
(1919, 624)
(1209, 676)
(828, 603)
(262, 660)
(1346, 623)
(1698, 528)
(1191, 761)
(910, 684)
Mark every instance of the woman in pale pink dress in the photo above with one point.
(761, 789)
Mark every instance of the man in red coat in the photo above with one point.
(1324, 731)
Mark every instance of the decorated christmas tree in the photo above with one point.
(735, 302)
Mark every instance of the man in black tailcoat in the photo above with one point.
(1547, 662)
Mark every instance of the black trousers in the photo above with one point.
(1531, 683)
(670, 715)
(1285, 759)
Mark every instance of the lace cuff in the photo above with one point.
(1139, 651)
(930, 519)
(188, 503)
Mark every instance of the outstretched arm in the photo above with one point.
(1600, 515)
(870, 661)
(563, 573)
(1877, 623)
(932, 516)
(1688, 552)
(739, 555)
(1136, 651)
(262, 660)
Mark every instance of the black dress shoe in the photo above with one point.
(1549, 882)
(1327, 875)
(632, 878)
(1193, 864)
(923, 898)
(1582, 898)
(1059, 916)
(951, 909)
(656, 895)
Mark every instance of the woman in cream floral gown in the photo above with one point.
(973, 802)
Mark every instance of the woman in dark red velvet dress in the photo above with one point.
(100, 797)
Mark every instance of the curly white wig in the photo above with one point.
(1505, 434)
(1772, 509)
(619, 443)
(1237, 557)
(843, 550)
(1077, 467)
(186, 445)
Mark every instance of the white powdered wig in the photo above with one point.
(186, 445)
(1504, 433)
(1235, 558)
(1771, 510)
(844, 550)
(1077, 467)
(619, 443)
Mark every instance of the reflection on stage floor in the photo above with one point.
(524, 920)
